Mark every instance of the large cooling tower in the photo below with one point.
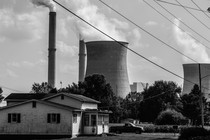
(52, 49)
(109, 59)
(191, 73)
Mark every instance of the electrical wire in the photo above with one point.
(138, 54)
(148, 32)
(182, 21)
(10, 89)
(180, 5)
(200, 8)
(193, 15)
(174, 23)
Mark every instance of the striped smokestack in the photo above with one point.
(82, 60)
(52, 49)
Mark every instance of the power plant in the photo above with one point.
(109, 58)
(191, 73)
(52, 49)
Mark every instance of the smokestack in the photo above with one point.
(82, 60)
(52, 49)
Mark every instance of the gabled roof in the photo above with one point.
(42, 102)
(27, 96)
(74, 96)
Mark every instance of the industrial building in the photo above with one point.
(138, 86)
(191, 74)
(109, 58)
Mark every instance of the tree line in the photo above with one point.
(159, 99)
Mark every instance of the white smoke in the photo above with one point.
(46, 3)
(190, 47)
(92, 14)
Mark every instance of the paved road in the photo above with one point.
(143, 136)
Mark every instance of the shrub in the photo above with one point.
(195, 133)
(170, 117)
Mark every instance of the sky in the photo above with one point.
(24, 39)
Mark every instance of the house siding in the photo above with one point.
(66, 101)
(34, 120)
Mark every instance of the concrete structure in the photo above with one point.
(52, 49)
(191, 73)
(58, 115)
(138, 86)
(82, 60)
(109, 58)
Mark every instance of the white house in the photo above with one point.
(62, 114)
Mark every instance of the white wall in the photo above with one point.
(89, 106)
(34, 120)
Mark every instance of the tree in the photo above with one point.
(191, 105)
(131, 104)
(158, 97)
(44, 87)
(170, 117)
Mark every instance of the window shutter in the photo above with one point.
(18, 117)
(58, 118)
(48, 118)
(9, 118)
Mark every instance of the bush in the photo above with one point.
(170, 117)
(159, 129)
(195, 133)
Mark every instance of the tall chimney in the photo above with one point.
(52, 49)
(82, 58)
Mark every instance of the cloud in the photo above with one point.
(135, 38)
(26, 64)
(11, 73)
(65, 49)
(91, 13)
(20, 27)
(156, 59)
(190, 47)
(151, 23)
(66, 68)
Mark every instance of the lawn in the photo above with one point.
(125, 136)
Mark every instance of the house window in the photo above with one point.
(106, 119)
(34, 104)
(53, 118)
(86, 120)
(93, 120)
(14, 118)
(74, 118)
(62, 97)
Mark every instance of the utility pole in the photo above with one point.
(201, 97)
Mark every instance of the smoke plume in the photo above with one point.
(46, 3)
(190, 47)
(92, 14)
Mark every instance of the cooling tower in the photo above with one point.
(52, 49)
(191, 73)
(109, 59)
(82, 60)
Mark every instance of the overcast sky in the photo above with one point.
(24, 39)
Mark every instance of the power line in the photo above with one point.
(180, 5)
(123, 44)
(10, 88)
(193, 15)
(148, 32)
(182, 21)
(200, 8)
(174, 23)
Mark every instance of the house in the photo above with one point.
(61, 114)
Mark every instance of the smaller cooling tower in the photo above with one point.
(109, 58)
(191, 73)
(82, 60)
